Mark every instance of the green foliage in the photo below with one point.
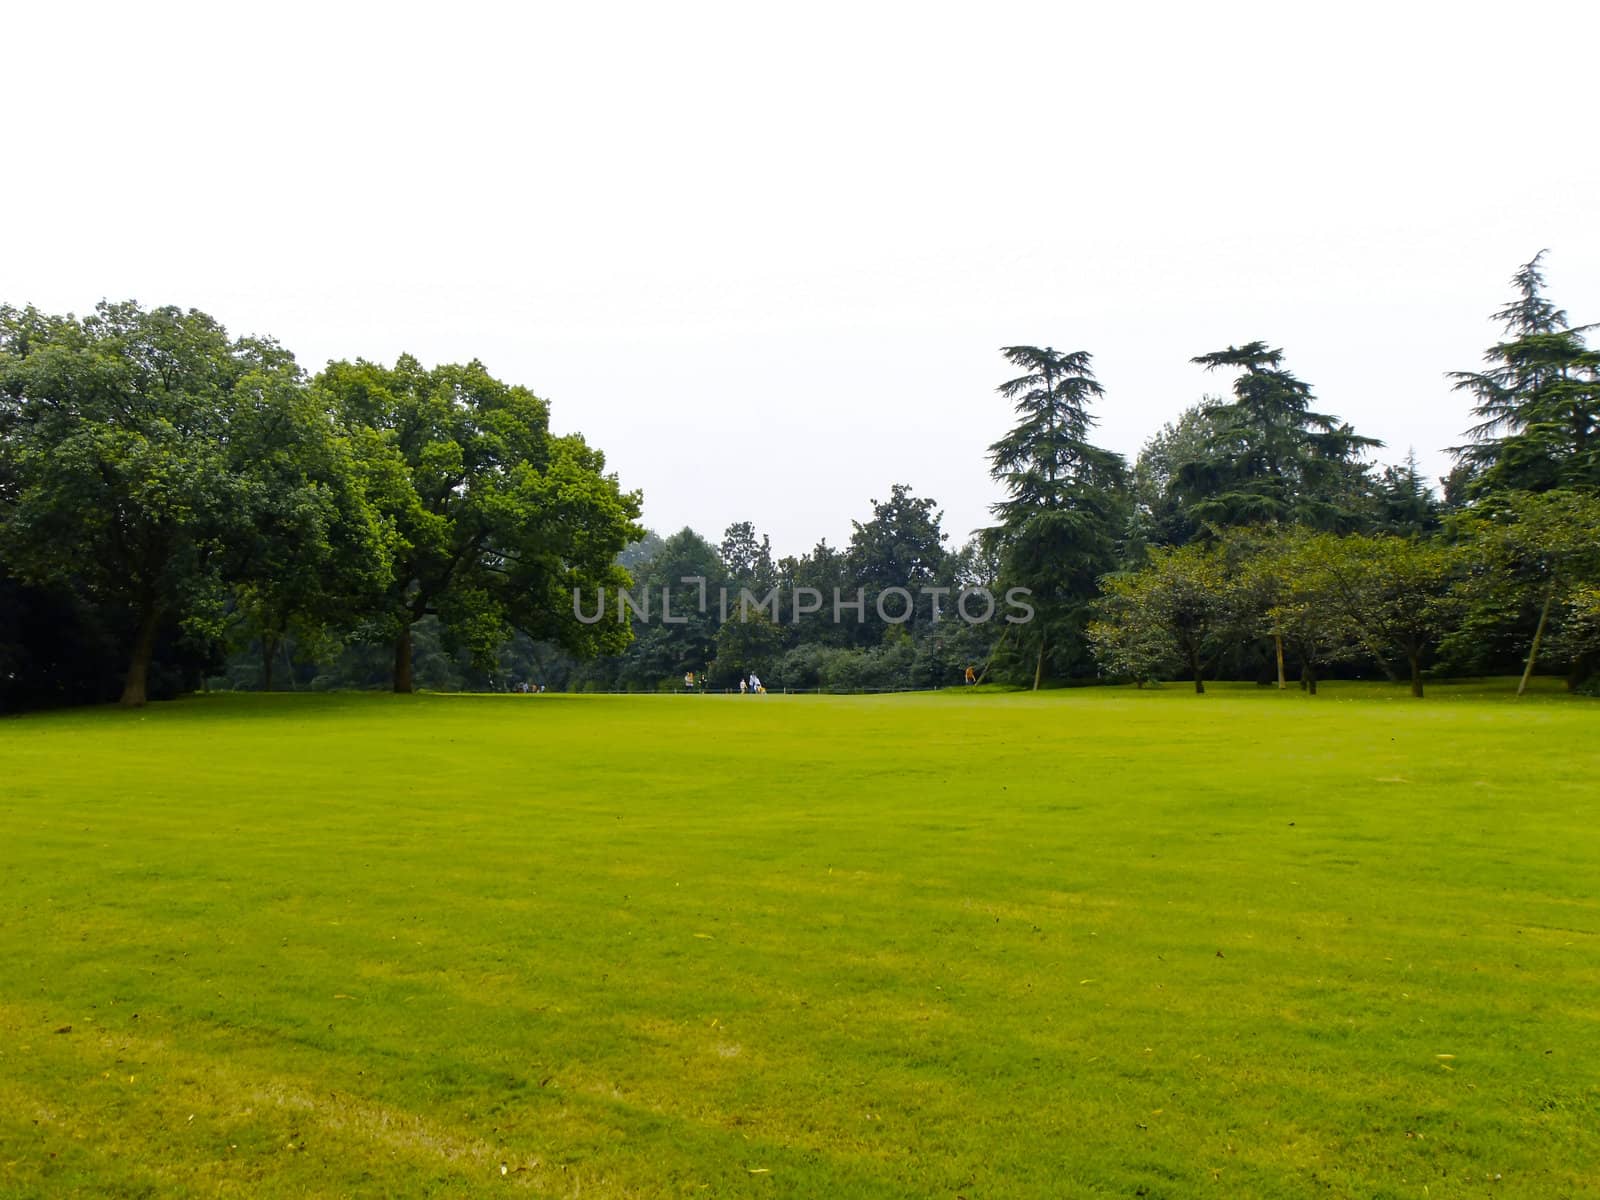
(497, 521)
(1327, 598)
(747, 557)
(1577, 636)
(1405, 503)
(684, 638)
(745, 643)
(1390, 596)
(1534, 551)
(319, 554)
(1067, 502)
(165, 489)
(823, 570)
(190, 487)
(1298, 576)
(1176, 614)
(1271, 458)
(129, 465)
(1538, 404)
(1161, 513)
(901, 546)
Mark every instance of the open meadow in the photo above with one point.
(1098, 942)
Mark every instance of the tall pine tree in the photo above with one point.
(1538, 403)
(1273, 459)
(1066, 501)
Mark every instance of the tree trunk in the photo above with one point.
(1199, 670)
(144, 645)
(1538, 636)
(1311, 680)
(1038, 668)
(402, 660)
(1378, 656)
(983, 674)
(1415, 659)
(1582, 668)
(269, 647)
(1277, 642)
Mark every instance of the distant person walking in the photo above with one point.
(755, 684)
(743, 686)
(688, 681)
(972, 677)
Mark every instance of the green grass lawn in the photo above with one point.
(1100, 942)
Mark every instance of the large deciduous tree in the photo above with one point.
(317, 556)
(497, 520)
(121, 473)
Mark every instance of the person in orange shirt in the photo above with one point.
(972, 678)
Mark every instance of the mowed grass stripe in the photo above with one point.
(984, 945)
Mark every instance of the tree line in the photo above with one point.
(179, 507)
(168, 492)
(1252, 538)
(1265, 536)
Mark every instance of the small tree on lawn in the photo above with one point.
(1181, 610)
(1394, 594)
(1539, 548)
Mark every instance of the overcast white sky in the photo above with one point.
(764, 255)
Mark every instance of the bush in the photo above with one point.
(802, 667)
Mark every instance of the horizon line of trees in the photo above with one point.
(1268, 535)
(1252, 538)
(178, 507)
